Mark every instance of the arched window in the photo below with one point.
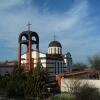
(55, 68)
(58, 68)
(51, 50)
(61, 67)
(33, 38)
(58, 51)
(54, 50)
(23, 38)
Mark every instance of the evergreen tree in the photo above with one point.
(37, 82)
(21, 84)
(16, 84)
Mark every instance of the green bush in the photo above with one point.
(21, 84)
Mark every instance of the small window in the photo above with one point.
(23, 38)
(55, 68)
(61, 67)
(51, 50)
(55, 51)
(33, 38)
(58, 67)
(58, 51)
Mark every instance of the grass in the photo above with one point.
(62, 96)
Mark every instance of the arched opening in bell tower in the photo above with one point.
(27, 42)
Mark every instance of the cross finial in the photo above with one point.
(54, 37)
(29, 26)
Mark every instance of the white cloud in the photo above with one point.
(6, 4)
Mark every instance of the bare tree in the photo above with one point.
(72, 85)
(95, 61)
(81, 89)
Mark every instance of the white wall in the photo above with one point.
(45, 62)
(65, 83)
(34, 56)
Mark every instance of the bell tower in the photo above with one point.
(30, 39)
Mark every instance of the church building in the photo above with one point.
(54, 60)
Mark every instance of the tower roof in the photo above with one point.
(55, 44)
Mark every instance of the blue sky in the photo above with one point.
(75, 22)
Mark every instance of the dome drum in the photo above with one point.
(54, 48)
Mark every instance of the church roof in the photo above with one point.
(55, 44)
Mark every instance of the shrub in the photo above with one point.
(21, 84)
(88, 92)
